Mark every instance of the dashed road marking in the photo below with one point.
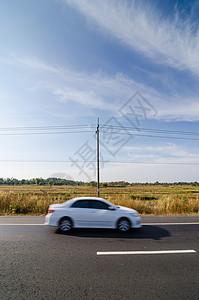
(158, 224)
(21, 224)
(146, 252)
(144, 224)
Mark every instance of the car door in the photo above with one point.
(101, 214)
(80, 212)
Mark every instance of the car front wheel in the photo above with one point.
(123, 225)
(65, 225)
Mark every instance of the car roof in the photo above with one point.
(88, 198)
(71, 201)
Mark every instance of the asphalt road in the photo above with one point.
(37, 262)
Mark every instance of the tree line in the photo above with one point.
(39, 181)
(60, 181)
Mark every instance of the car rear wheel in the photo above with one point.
(65, 225)
(123, 225)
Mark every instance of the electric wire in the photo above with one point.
(104, 129)
(48, 133)
(104, 162)
(46, 127)
(162, 131)
(160, 136)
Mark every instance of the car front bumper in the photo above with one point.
(136, 222)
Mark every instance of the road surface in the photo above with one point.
(161, 261)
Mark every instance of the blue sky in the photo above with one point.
(66, 63)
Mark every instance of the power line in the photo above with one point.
(91, 131)
(93, 126)
(40, 133)
(120, 130)
(38, 130)
(124, 128)
(158, 136)
(50, 127)
(104, 162)
(105, 129)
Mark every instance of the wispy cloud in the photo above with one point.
(172, 41)
(88, 98)
(35, 63)
(161, 152)
(100, 91)
(97, 90)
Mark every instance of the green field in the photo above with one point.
(146, 199)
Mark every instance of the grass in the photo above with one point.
(155, 200)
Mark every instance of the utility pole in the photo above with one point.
(98, 179)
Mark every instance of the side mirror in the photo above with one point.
(111, 208)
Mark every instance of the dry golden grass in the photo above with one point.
(156, 200)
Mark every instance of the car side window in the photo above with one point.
(81, 204)
(99, 205)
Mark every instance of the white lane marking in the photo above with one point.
(145, 252)
(157, 224)
(144, 224)
(21, 224)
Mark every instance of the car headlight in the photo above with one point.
(134, 214)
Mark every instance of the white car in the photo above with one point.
(91, 212)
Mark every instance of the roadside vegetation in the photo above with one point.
(154, 199)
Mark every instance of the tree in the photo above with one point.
(104, 184)
(50, 183)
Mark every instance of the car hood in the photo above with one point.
(128, 210)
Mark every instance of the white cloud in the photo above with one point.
(166, 162)
(182, 109)
(97, 90)
(171, 42)
(88, 98)
(100, 91)
(35, 63)
(164, 152)
(149, 173)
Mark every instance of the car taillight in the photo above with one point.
(50, 211)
